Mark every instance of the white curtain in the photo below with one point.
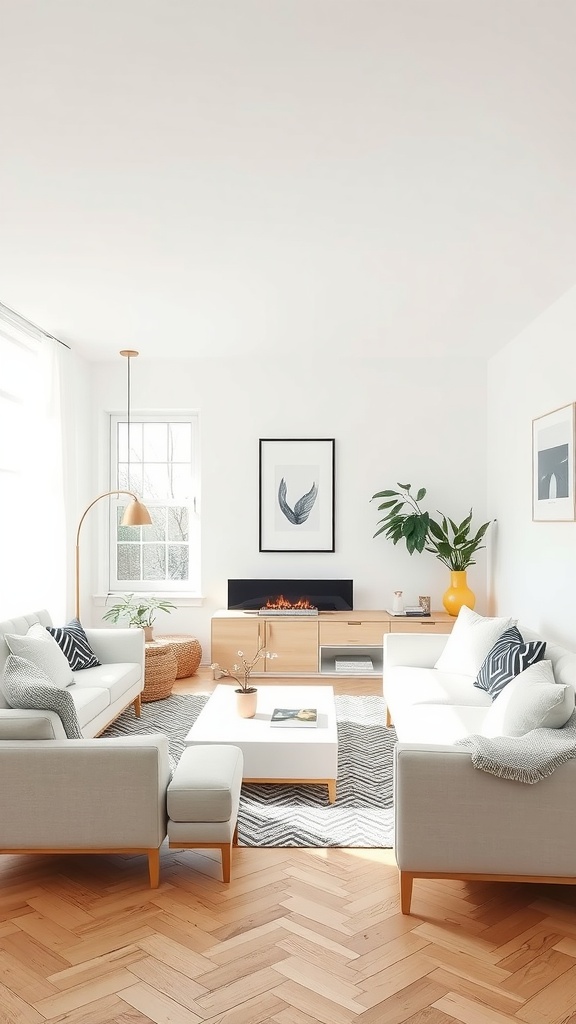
(32, 513)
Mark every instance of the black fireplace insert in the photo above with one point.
(325, 595)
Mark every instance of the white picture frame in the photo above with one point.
(553, 493)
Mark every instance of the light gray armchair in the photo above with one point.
(85, 796)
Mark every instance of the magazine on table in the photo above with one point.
(295, 718)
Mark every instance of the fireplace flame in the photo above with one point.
(283, 603)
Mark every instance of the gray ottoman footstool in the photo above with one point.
(203, 799)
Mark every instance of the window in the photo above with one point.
(161, 468)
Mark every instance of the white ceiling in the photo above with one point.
(215, 177)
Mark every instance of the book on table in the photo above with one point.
(303, 718)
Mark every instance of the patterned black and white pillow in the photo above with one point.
(73, 641)
(24, 685)
(509, 656)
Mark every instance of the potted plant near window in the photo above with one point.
(246, 694)
(140, 612)
(454, 544)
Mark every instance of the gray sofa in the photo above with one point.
(453, 820)
(84, 795)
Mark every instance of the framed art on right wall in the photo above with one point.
(553, 496)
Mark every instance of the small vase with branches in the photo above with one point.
(242, 671)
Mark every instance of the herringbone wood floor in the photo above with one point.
(298, 937)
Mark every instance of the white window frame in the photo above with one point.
(191, 586)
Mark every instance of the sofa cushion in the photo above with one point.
(405, 684)
(533, 700)
(89, 702)
(438, 723)
(509, 657)
(74, 644)
(41, 649)
(472, 637)
(25, 685)
(114, 678)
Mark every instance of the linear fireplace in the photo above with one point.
(288, 595)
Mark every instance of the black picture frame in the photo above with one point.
(296, 494)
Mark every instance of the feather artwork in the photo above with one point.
(303, 506)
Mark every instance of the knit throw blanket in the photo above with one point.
(527, 758)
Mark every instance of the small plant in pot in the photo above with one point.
(140, 612)
(246, 694)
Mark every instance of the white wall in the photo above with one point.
(409, 420)
(533, 564)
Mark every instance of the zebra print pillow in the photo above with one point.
(72, 639)
(509, 656)
(26, 686)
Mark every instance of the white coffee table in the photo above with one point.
(271, 754)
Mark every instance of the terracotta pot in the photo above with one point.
(148, 633)
(246, 702)
(458, 593)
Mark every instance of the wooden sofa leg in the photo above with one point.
(406, 881)
(235, 836)
(388, 719)
(154, 867)
(138, 706)
(226, 851)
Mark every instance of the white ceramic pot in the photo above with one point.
(246, 702)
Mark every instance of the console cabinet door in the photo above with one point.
(295, 641)
(232, 635)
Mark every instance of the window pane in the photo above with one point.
(134, 483)
(122, 441)
(181, 485)
(180, 442)
(178, 523)
(177, 562)
(136, 442)
(155, 442)
(154, 561)
(128, 562)
(156, 483)
(158, 529)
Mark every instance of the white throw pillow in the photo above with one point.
(472, 638)
(532, 700)
(38, 647)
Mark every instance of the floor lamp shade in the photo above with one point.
(135, 514)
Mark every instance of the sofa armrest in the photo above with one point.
(84, 794)
(30, 724)
(420, 650)
(452, 817)
(117, 645)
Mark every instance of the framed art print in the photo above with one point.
(553, 466)
(297, 494)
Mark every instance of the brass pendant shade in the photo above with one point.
(136, 514)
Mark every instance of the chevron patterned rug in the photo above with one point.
(362, 815)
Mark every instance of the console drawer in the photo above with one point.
(421, 626)
(351, 632)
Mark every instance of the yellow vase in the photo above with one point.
(458, 593)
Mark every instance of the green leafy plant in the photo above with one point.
(139, 610)
(454, 544)
(243, 670)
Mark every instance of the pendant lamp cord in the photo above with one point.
(128, 353)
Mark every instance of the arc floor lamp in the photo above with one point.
(135, 514)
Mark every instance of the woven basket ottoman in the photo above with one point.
(159, 671)
(188, 653)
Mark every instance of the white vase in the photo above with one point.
(398, 603)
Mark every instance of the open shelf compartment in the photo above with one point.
(329, 656)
